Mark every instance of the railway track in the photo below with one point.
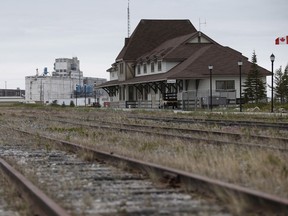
(91, 187)
(41, 125)
(254, 199)
(242, 123)
(194, 135)
(202, 136)
(42, 204)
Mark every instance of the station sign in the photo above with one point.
(171, 81)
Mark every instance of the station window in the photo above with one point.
(225, 85)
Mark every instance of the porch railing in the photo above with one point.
(188, 100)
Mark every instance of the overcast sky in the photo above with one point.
(35, 32)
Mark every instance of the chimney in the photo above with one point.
(126, 41)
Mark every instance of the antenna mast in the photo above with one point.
(128, 20)
(201, 24)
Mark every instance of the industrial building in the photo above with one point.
(65, 67)
(64, 85)
(12, 95)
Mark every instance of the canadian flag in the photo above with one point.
(281, 40)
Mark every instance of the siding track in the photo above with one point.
(260, 164)
(258, 124)
(203, 136)
(188, 180)
(92, 188)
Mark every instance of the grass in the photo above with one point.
(260, 169)
(13, 198)
(251, 168)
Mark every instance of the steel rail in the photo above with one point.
(41, 203)
(173, 136)
(185, 130)
(204, 132)
(193, 182)
(218, 122)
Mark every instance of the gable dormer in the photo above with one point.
(199, 38)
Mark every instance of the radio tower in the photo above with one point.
(128, 20)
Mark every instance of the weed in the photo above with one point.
(48, 147)
(260, 169)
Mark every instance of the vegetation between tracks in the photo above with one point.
(13, 198)
(260, 169)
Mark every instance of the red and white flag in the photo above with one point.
(281, 40)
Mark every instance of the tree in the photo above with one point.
(254, 86)
(281, 84)
(72, 103)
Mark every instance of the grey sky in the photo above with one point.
(35, 32)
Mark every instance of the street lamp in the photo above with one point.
(240, 63)
(210, 67)
(272, 58)
(85, 90)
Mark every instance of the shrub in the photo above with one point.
(72, 104)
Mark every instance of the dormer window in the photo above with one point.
(121, 68)
(159, 65)
(145, 68)
(138, 69)
(152, 67)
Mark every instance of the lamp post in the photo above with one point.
(240, 63)
(85, 93)
(210, 67)
(272, 58)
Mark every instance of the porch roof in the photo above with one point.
(136, 80)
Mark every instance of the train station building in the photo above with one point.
(166, 63)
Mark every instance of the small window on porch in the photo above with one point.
(225, 85)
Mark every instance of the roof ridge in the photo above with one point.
(169, 48)
(149, 34)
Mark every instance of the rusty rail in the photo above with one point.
(254, 198)
(189, 138)
(41, 203)
(242, 123)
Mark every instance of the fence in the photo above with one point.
(186, 100)
(192, 100)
